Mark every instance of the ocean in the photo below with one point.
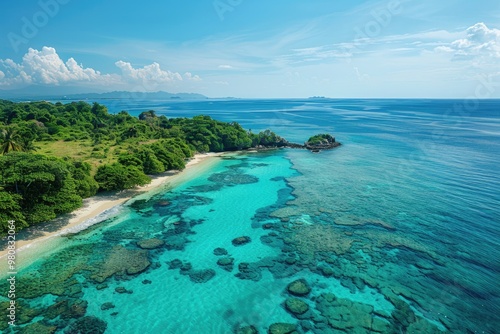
(396, 231)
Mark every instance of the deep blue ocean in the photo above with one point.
(396, 231)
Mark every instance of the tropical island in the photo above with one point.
(54, 155)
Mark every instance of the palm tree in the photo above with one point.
(9, 141)
(28, 145)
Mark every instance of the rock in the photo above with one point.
(150, 243)
(299, 288)
(121, 289)
(163, 203)
(296, 306)
(146, 281)
(227, 263)
(381, 326)
(88, 324)
(107, 306)
(326, 271)
(241, 241)
(37, 328)
(321, 142)
(101, 286)
(246, 330)
(201, 276)
(120, 260)
(186, 268)
(220, 251)
(65, 309)
(282, 328)
(174, 264)
(249, 271)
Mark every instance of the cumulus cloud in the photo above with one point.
(480, 41)
(46, 67)
(191, 77)
(225, 67)
(147, 74)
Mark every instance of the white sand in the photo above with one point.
(94, 206)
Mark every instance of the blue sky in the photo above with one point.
(253, 48)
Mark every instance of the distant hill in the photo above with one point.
(135, 95)
(73, 93)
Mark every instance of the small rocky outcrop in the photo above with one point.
(241, 241)
(322, 141)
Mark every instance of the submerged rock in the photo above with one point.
(249, 271)
(233, 177)
(241, 241)
(37, 328)
(66, 309)
(107, 306)
(220, 251)
(246, 330)
(121, 260)
(296, 306)
(345, 314)
(299, 288)
(282, 328)
(88, 324)
(227, 263)
(150, 243)
(202, 276)
(175, 264)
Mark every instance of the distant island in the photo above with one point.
(53, 155)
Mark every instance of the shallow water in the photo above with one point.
(400, 224)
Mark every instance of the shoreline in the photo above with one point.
(93, 207)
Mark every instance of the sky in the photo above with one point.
(253, 48)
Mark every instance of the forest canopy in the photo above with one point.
(52, 155)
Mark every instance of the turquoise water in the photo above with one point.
(396, 231)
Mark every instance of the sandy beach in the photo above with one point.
(95, 206)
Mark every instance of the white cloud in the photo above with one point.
(226, 67)
(45, 67)
(149, 74)
(190, 76)
(480, 41)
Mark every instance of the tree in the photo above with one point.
(10, 209)
(85, 185)
(10, 141)
(44, 184)
(118, 177)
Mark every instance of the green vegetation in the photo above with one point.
(320, 139)
(54, 155)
